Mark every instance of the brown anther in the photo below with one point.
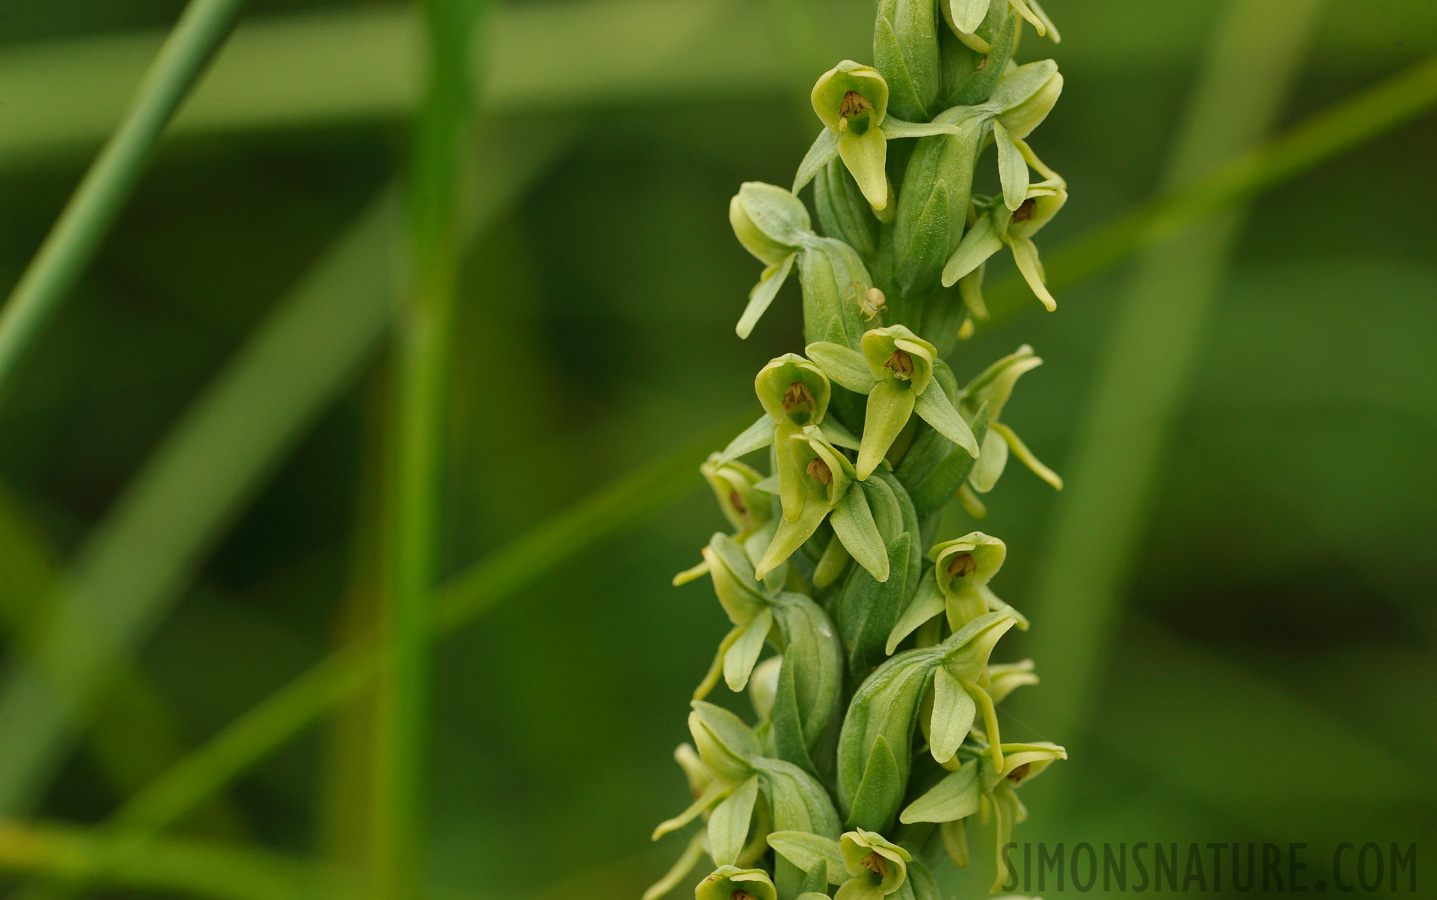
(854, 104)
(876, 864)
(1019, 773)
(962, 564)
(798, 396)
(982, 64)
(740, 894)
(1025, 212)
(819, 471)
(900, 364)
(736, 500)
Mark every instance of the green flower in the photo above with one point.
(852, 102)
(876, 866)
(963, 567)
(895, 370)
(994, 387)
(966, 17)
(733, 883)
(981, 787)
(735, 487)
(998, 226)
(825, 484)
(773, 225)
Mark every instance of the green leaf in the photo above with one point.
(991, 463)
(763, 294)
(754, 437)
(809, 851)
(726, 745)
(798, 800)
(853, 523)
(957, 796)
(898, 128)
(740, 659)
(934, 407)
(926, 603)
(823, 151)
(729, 824)
(844, 366)
(880, 792)
(889, 408)
(837, 434)
(978, 244)
(953, 713)
(968, 14)
(1012, 168)
(867, 609)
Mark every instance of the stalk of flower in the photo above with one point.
(875, 713)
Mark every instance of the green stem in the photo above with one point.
(96, 203)
(182, 866)
(424, 345)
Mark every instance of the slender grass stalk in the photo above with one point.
(135, 563)
(96, 203)
(1255, 56)
(184, 866)
(474, 592)
(1349, 123)
(423, 351)
(339, 677)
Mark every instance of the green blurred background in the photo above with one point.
(1268, 673)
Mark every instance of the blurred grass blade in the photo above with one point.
(423, 351)
(600, 517)
(359, 64)
(133, 565)
(1343, 126)
(183, 866)
(1145, 369)
(135, 735)
(96, 203)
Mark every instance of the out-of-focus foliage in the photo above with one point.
(1273, 677)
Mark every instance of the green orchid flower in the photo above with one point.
(935, 200)
(827, 490)
(962, 569)
(733, 883)
(852, 102)
(981, 787)
(895, 371)
(876, 866)
(993, 388)
(774, 225)
(966, 18)
(998, 226)
(735, 488)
